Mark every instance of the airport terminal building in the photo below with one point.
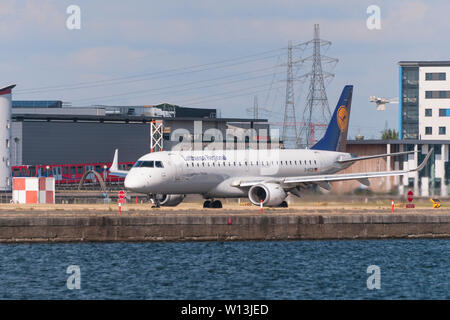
(48, 132)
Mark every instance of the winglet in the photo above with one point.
(424, 162)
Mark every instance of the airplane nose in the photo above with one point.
(132, 182)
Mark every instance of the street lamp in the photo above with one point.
(16, 145)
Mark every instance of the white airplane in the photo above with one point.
(265, 176)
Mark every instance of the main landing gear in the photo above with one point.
(284, 204)
(216, 204)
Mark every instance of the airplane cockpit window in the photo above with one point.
(158, 164)
(144, 164)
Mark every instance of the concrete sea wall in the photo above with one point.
(79, 227)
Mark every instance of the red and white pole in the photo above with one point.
(261, 206)
(392, 206)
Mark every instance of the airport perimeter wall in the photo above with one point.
(190, 227)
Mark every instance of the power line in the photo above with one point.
(196, 100)
(147, 91)
(229, 97)
(147, 76)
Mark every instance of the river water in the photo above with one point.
(406, 269)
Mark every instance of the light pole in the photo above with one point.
(16, 149)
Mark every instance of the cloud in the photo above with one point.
(105, 57)
(21, 19)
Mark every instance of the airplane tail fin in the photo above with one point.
(335, 138)
(115, 165)
(114, 169)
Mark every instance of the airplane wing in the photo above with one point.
(324, 179)
(114, 169)
(356, 158)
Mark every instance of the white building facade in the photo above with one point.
(424, 100)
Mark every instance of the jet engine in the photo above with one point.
(170, 200)
(271, 194)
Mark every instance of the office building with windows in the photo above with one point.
(424, 100)
(424, 123)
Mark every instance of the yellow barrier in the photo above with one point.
(436, 202)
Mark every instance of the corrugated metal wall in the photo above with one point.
(78, 142)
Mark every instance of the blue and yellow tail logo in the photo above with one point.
(342, 118)
(335, 138)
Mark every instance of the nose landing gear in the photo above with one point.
(152, 198)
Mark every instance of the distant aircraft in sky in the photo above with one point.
(265, 176)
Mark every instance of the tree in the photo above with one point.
(389, 134)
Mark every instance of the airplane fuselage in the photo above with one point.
(217, 173)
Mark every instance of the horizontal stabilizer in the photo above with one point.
(364, 181)
(325, 185)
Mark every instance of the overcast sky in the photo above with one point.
(215, 54)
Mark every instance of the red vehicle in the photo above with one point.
(70, 173)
